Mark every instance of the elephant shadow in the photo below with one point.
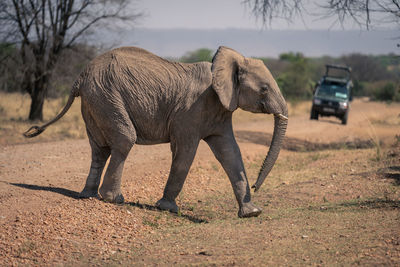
(191, 218)
(58, 190)
(75, 195)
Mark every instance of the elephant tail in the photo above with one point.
(36, 130)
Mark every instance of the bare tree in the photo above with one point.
(269, 10)
(44, 28)
(363, 12)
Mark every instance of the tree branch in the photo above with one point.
(364, 12)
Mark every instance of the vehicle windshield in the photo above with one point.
(333, 91)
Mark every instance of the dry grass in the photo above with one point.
(14, 111)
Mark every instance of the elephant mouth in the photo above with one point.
(264, 108)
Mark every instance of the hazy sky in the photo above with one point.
(220, 14)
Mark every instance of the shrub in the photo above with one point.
(295, 82)
(388, 92)
(202, 54)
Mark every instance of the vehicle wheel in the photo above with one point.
(344, 118)
(314, 115)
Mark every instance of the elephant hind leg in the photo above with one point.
(121, 143)
(99, 159)
(110, 189)
(112, 135)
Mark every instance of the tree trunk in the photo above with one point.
(36, 111)
(38, 94)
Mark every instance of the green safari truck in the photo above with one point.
(332, 94)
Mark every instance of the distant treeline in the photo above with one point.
(377, 77)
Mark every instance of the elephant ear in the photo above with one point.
(225, 69)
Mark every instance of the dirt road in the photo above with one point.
(332, 198)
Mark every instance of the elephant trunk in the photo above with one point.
(281, 122)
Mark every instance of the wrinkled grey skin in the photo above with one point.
(130, 96)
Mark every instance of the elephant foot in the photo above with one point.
(249, 210)
(87, 193)
(164, 204)
(113, 197)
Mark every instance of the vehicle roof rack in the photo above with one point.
(344, 68)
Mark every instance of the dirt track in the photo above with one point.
(42, 222)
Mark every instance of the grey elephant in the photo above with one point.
(131, 96)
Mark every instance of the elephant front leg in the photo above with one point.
(228, 154)
(182, 158)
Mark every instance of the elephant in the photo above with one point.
(131, 96)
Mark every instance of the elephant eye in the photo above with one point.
(264, 88)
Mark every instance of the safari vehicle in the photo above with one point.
(332, 94)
